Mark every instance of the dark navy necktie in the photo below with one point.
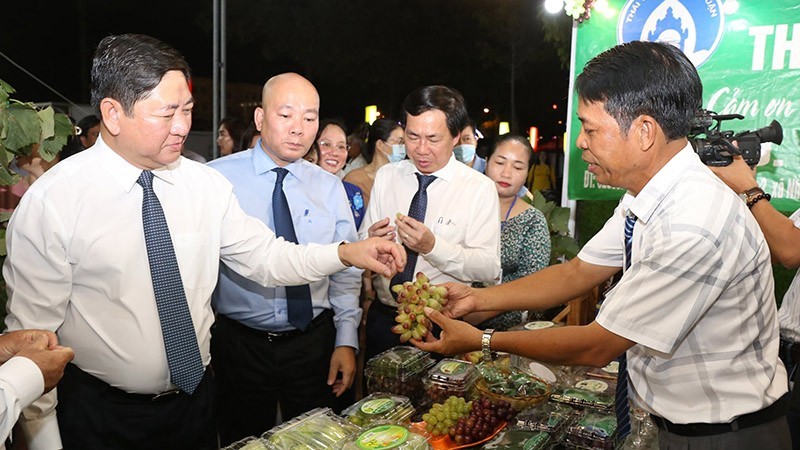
(180, 339)
(621, 406)
(417, 211)
(298, 298)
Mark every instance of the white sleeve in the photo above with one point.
(21, 382)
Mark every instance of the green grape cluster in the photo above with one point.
(441, 418)
(412, 298)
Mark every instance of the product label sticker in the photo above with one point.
(612, 367)
(539, 324)
(592, 385)
(542, 371)
(377, 406)
(382, 437)
(452, 368)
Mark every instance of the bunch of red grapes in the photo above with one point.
(483, 419)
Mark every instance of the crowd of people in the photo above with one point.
(131, 267)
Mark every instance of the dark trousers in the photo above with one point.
(255, 370)
(94, 415)
(789, 353)
(773, 435)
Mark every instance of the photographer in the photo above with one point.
(783, 237)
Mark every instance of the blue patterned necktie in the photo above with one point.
(180, 339)
(298, 298)
(621, 406)
(417, 211)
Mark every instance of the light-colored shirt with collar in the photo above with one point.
(463, 215)
(77, 264)
(697, 299)
(21, 382)
(320, 214)
(479, 164)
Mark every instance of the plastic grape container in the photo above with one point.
(318, 429)
(248, 443)
(379, 406)
(450, 377)
(400, 371)
(385, 436)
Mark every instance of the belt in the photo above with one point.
(768, 414)
(277, 336)
(88, 378)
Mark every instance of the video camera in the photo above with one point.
(715, 147)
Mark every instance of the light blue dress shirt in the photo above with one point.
(320, 213)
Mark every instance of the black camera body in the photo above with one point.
(715, 146)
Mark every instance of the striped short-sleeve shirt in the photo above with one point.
(697, 299)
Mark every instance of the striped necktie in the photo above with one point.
(621, 406)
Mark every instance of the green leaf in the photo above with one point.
(46, 116)
(21, 127)
(62, 129)
(5, 91)
(7, 177)
(559, 220)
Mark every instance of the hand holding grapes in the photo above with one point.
(462, 300)
(457, 336)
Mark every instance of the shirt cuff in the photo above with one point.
(329, 260)
(25, 377)
(347, 335)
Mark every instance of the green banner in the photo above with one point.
(748, 56)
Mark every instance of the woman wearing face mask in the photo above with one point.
(384, 146)
(524, 236)
(330, 149)
(467, 145)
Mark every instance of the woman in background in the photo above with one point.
(331, 152)
(524, 236)
(228, 135)
(384, 145)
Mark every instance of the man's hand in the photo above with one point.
(343, 361)
(46, 354)
(461, 300)
(11, 343)
(737, 175)
(382, 229)
(414, 234)
(375, 254)
(457, 336)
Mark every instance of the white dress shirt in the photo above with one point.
(462, 213)
(77, 264)
(21, 382)
(698, 298)
(789, 313)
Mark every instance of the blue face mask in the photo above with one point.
(464, 153)
(398, 153)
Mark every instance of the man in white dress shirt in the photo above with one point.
(78, 262)
(459, 239)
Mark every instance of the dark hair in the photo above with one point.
(644, 78)
(88, 122)
(445, 99)
(511, 137)
(380, 130)
(471, 124)
(235, 128)
(325, 123)
(247, 137)
(128, 67)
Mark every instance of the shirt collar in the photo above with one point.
(126, 173)
(644, 204)
(263, 163)
(447, 173)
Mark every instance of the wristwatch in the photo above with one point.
(754, 195)
(486, 344)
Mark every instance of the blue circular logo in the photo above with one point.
(694, 26)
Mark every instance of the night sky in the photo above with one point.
(356, 52)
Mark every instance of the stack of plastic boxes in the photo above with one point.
(400, 371)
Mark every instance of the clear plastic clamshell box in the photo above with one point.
(516, 439)
(248, 443)
(399, 370)
(450, 377)
(592, 430)
(318, 429)
(549, 416)
(385, 436)
(379, 406)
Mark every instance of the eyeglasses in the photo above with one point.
(398, 141)
(330, 145)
